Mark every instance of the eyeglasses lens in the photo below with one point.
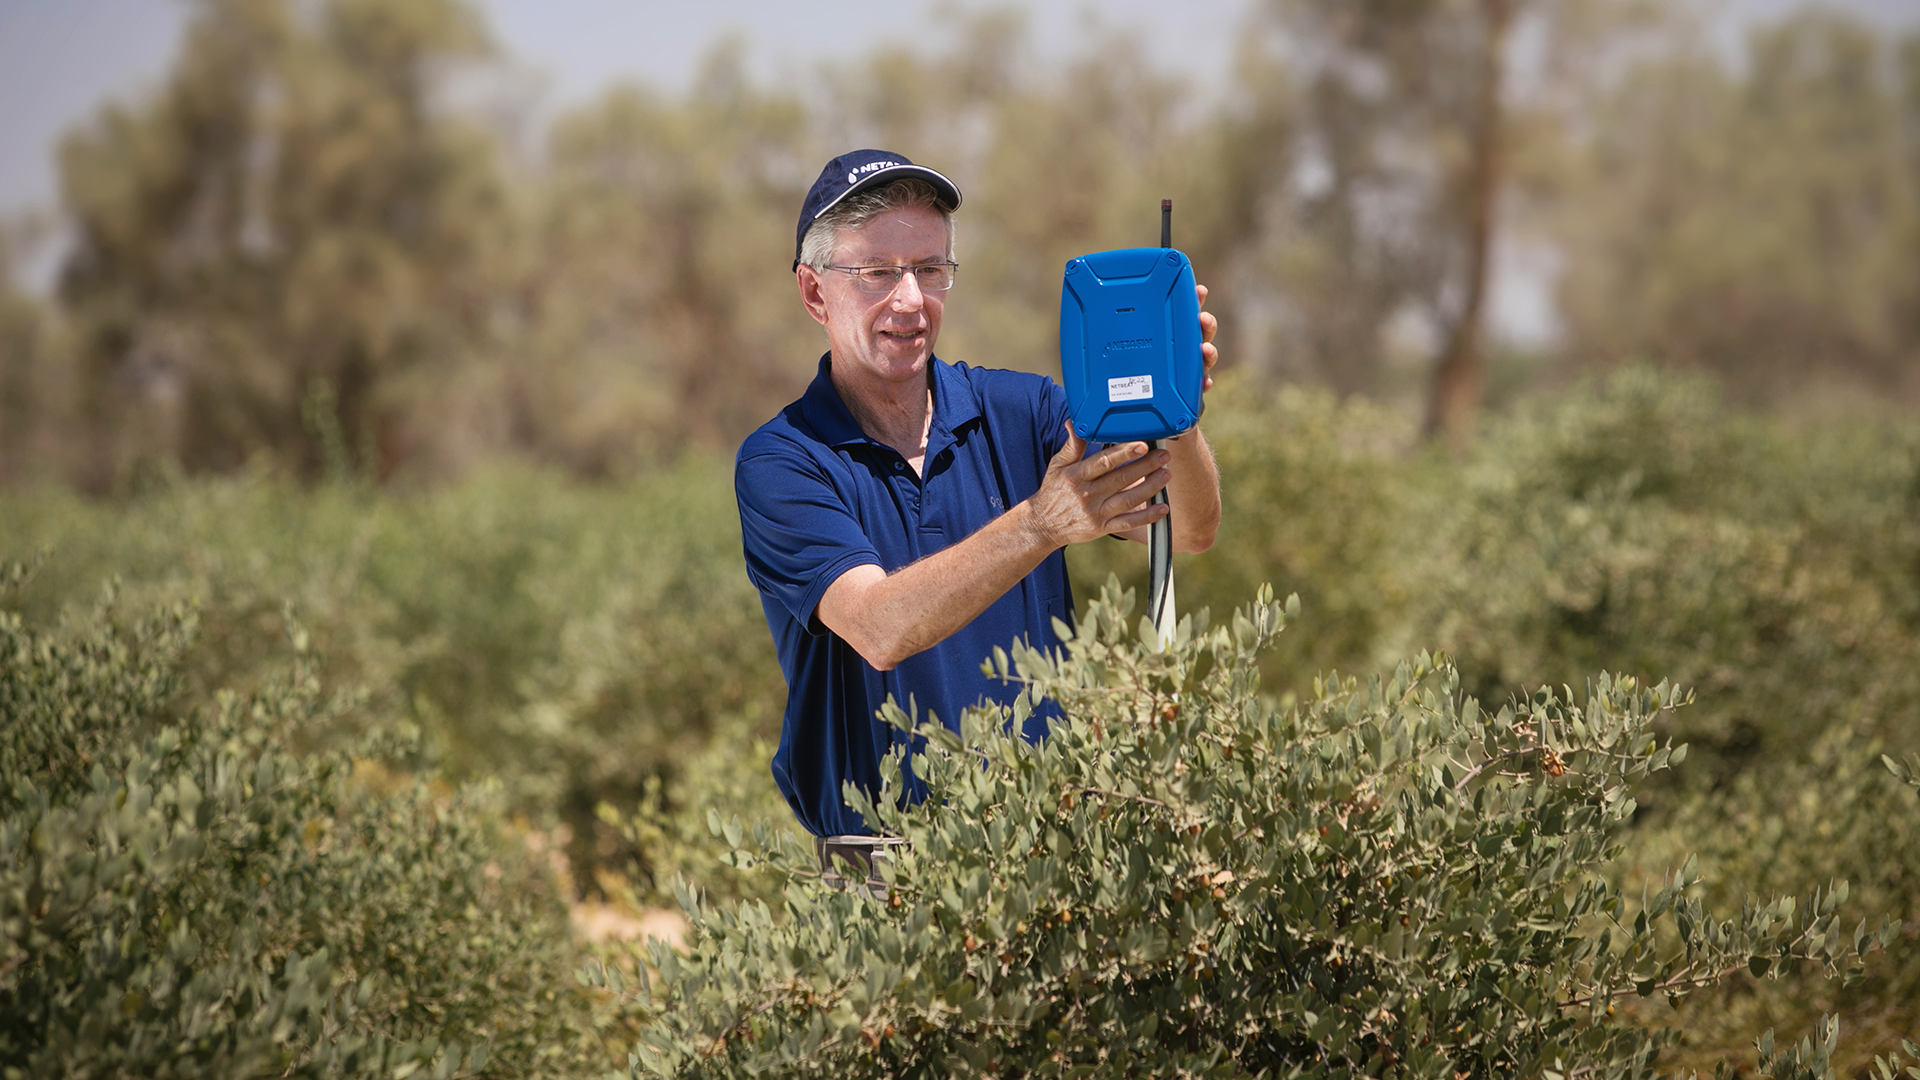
(934, 277)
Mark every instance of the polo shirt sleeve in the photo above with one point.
(1050, 410)
(800, 535)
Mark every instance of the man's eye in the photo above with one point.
(880, 275)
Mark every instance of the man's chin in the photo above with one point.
(890, 359)
(901, 352)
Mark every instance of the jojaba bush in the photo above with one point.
(1185, 879)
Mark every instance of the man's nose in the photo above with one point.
(907, 295)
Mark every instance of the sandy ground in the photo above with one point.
(600, 922)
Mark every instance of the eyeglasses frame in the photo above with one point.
(855, 273)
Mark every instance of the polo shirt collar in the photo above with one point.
(826, 414)
(954, 404)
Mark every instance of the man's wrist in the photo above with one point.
(1033, 528)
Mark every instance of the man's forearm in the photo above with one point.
(889, 617)
(1194, 492)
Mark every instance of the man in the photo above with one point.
(907, 515)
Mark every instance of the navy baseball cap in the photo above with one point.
(858, 171)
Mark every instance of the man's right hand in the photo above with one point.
(889, 617)
(1083, 498)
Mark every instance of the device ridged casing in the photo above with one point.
(1127, 316)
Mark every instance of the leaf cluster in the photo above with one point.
(183, 892)
(573, 641)
(1185, 879)
(1832, 813)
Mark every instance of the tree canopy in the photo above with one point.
(314, 242)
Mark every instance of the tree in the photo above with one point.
(1758, 224)
(656, 304)
(294, 221)
(1397, 200)
(1459, 380)
(1426, 135)
(25, 393)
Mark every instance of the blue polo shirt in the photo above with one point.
(818, 497)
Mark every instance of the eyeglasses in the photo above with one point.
(882, 280)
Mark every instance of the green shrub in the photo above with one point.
(183, 892)
(1828, 814)
(1185, 880)
(571, 640)
(668, 825)
(1639, 526)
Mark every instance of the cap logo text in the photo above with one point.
(854, 176)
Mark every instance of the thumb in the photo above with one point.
(1075, 449)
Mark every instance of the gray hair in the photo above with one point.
(854, 211)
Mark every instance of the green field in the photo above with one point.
(349, 717)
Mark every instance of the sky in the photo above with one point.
(61, 60)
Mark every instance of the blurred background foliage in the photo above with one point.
(441, 417)
(323, 228)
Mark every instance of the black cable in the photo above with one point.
(1159, 555)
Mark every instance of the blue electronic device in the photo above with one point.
(1130, 345)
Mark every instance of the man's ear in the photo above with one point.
(810, 284)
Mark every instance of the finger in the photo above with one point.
(1115, 497)
(1126, 473)
(1200, 291)
(1209, 325)
(1134, 519)
(1111, 458)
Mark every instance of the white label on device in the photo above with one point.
(1130, 388)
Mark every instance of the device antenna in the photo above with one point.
(1160, 533)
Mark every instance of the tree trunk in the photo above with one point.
(1459, 382)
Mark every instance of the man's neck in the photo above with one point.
(899, 415)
